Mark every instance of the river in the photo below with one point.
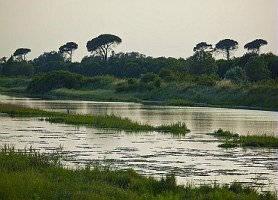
(193, 158)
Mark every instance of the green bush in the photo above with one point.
(206, 80)
(56, 79)
(236, 75)
(150, 81)
(256, 69)
(129, 85)
(17, 69)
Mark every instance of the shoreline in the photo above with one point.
(143, 102)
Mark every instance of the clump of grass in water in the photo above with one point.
(106, 121)
(224, 134)
(31, 175)
(258, 141)
(235, 140)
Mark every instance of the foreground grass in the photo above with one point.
(30, 175)
(98, 121)
(235, 140)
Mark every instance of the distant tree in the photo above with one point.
(150, 81)
(201, 48)
(103, 44)
(197, 66)
(272, 63)
(3, 60)
(236, 75)
(68, 48)
(257, 69)
(20, 53)
(255, 45)
(226, 46)
(49, 61)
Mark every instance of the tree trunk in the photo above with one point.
(228, 54)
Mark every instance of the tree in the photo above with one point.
(103, 44)
(201, 48)
(197, 66)
(49, 61)
(226, 46)
(236, 75)
(255, 45)
(256, 69)
(20, 53)
(3, 60)
(68, 48)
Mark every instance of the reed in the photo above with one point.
(98, 121)
(235, 140)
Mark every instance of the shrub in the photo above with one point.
(236, 75)
(54, 80)
(256, 69)
(129, 85)
(207, 80)
(17, 69)
(150, 81)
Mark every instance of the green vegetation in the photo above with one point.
(31, 175)
(224, 134)
(249, 81)
(13, 85)
(107, 121)
(234, 140)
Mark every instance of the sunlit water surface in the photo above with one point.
(194, 158)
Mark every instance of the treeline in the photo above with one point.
(252, 66)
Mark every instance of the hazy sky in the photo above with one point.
(153, 27)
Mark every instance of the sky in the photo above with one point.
(169, 28)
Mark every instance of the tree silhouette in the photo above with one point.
(103, 44)
(68, 48)
(3, 60)
(201, 48)
(20, 53)
(226, 46)
(255, 45)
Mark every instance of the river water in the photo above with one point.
(193, 158)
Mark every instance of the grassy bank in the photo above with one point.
(235, 140)
(98, 121)
(262, 95)
(30, 175)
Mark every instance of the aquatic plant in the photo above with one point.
(99, 121)
(226, 134)
(235, 140)
(32, 175)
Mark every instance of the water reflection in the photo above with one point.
(198, 119)
(195, 157)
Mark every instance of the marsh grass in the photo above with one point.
(98, 121)
(224, 134)
(31, 175)
(234, 140)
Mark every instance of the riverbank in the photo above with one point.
(31, 175)
(256, 97)
(98, 121)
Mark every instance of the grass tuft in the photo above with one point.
(98, 121)
(234, 140)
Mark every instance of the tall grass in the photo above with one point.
(106, 121)
(31, 175)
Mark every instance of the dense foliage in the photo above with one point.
(250, 80)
